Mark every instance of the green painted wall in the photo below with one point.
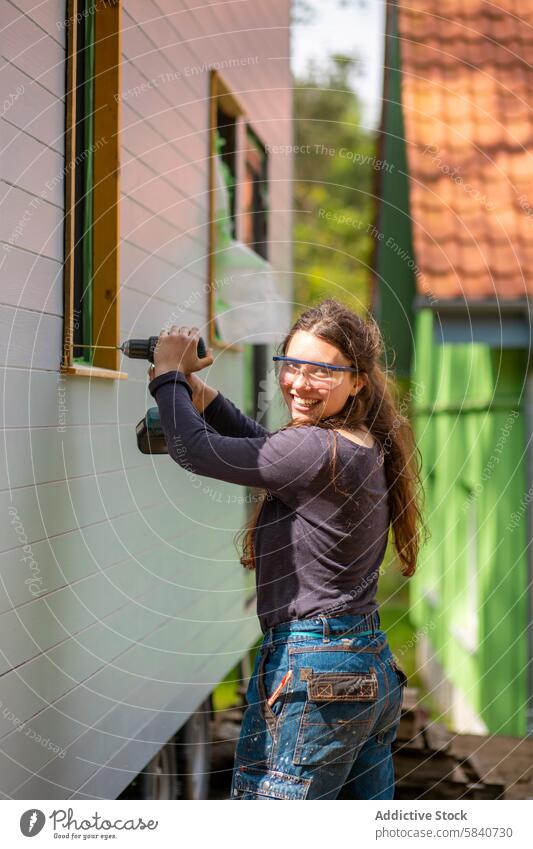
(470, 429)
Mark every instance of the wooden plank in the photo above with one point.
(181, 83)
(106, 193)
(142, 138)
(30, 48)
(70, 183)
(53, 508)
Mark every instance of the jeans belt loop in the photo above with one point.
(325, 624)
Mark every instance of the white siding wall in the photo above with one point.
(128, 606)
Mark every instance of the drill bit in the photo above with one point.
(107, 347)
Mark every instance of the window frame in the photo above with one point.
(104, 241)
(255, 164)
(220, 97)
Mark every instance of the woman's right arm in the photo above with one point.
(202, 394)
(220, 412)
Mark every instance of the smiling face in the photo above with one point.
(309, 403)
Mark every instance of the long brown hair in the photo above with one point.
(373, 406)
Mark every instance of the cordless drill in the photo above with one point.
(143, 349)
(150, 436)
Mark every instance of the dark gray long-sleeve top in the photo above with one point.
(320, 538)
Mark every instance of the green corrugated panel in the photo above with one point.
(503, 581)
(471, 432)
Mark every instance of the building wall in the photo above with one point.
(471, 585)
(121, 594)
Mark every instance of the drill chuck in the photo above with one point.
(143, 349)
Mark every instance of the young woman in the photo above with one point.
(324, 699)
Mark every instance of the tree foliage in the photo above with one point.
(334, 164)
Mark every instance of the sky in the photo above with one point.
(355, 28)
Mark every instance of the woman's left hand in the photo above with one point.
(176, 351)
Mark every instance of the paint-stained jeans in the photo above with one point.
(328, 734)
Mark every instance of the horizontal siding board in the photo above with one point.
(37, 627)
(166, 36)
(165, 117)
(36, 111)
(31, 165)
(71, 666)
(162, 57)
(163, 313)
(194, 270)
(30, 222)
(56, 508)
(29, 47)
(67, 720)
(110, 778)
(149, 276)
(47, 676)
(187, 178)
(155, 235)
(159, 195)
(43, 455)
(30, 339)
(142, 140)
(141, 733)
(71, 557)
(30, 281)
(33, 397)
(48, 14)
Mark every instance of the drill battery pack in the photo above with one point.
(150, 436)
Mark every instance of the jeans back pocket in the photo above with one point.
(337, 716)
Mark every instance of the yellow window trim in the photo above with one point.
(219, 95)
(93, 371)
(106, 226)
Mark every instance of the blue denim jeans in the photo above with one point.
(328, 734)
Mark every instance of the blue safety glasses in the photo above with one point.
(318, 374)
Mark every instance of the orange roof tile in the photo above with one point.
(467, 93)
